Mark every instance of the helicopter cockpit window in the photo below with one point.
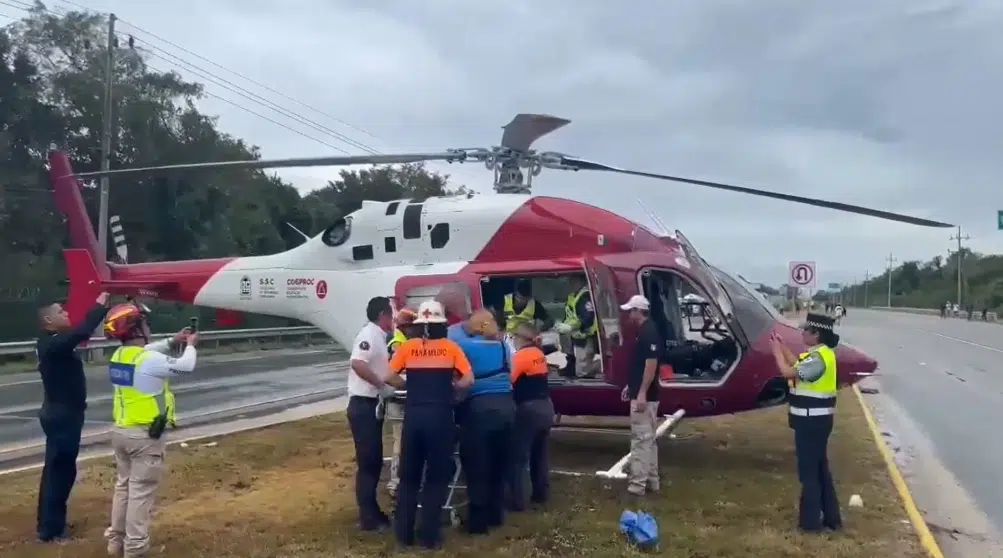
(754, 314)
(338, 233)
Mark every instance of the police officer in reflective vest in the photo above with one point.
(435, 367)
(581, 326)
(143, 408)
(812, 408)
(520, 307)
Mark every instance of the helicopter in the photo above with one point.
(476, 246)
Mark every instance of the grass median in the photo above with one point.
(729, 489)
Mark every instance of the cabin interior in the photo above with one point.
(680, 311)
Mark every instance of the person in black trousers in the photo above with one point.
(62, 414)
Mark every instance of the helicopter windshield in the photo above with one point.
(753, 313)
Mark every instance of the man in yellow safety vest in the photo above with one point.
(143, 408)
(581, 326)
(812, 408)
(519, 307)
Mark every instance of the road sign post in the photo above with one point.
(999, 220)
(802, 274)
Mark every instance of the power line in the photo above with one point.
(232, 72)
(258, 114)
(258, 99)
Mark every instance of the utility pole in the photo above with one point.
(961, 259)
(891, 261)
(106, 133)
(867, 277)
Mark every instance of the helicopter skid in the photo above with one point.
(617, 470)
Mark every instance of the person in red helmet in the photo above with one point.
(143, 408)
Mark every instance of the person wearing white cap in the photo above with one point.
(642, 393)
(435, 366)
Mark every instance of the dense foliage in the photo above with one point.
(931, 284)
(52, 93)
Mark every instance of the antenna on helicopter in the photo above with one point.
(293, 227)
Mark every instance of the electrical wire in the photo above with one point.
(258, 99)
(185, 65)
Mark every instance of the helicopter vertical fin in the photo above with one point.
(85, 283)
(70, 202)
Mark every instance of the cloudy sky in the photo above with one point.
(886, 103)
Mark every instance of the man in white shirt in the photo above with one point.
(370, 366)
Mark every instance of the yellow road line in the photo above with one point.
(926, 539)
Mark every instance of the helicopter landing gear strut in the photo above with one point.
(670, 423)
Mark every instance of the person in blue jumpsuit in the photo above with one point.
(434, 368)
(811, 414)
(64, 400)
(486, 422)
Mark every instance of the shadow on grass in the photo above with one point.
(728, 489)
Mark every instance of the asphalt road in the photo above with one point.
(942, 385)
(219, 383)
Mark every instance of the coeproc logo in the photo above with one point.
(299, 281)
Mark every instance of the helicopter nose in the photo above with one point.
(852, 365)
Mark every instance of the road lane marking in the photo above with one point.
(926, 539)
(965, 341)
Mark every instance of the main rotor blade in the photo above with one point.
(584, 164)
(289, 163)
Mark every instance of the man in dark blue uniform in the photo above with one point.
(62, 413)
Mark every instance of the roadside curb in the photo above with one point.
(926, 539)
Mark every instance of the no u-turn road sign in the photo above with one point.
(802, 274)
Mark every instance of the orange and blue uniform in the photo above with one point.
(534, 416)
(429, 434)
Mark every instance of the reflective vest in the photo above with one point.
(571, 316)
(512, 319)
(818, 398)
(131, 407)
(397, 339)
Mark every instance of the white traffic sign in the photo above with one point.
(802, 274)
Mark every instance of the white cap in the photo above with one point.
(430, 312)
(636, 302)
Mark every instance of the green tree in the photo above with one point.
(52, 93)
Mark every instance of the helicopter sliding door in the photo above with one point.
(602, 285)
(702, 272)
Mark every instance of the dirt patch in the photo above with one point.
(729, 489)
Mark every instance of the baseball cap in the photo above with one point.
(636, 302)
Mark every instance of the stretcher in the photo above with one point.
(452, 507)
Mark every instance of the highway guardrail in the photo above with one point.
(961, 314)
(211, 337)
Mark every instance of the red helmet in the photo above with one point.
(124, 321)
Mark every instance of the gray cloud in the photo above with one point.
(892, 104)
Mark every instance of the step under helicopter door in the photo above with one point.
(602, 285)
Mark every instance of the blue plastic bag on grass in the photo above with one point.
(640, 528)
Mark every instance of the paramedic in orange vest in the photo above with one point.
(435, 368)
(534, 416)
(143, 406)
